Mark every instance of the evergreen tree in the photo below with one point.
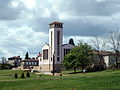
(27, 74)
(16, 75)
(27, 56)
(22, 75)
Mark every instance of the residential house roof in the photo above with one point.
(14, 57)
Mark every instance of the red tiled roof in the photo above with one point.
(103, 52)
(55, 23)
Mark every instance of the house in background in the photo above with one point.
(108, 59)
(30, 64)
(14, 61)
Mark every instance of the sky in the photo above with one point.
(24, 23)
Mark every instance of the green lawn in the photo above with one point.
(105, 80)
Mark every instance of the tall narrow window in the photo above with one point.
(58, 43)
(45, 54)
(51, 41)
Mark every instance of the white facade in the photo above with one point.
(55, 49)
(106, 59)
(53, 53)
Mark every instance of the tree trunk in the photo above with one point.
(82, 69)
(116, 57)
(74, 70)
(100, 57)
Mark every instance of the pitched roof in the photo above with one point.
(104, 52)
(67, 44)
(14, 57)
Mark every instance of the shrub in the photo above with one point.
(27, 74)
(5, 66)
(16, 75)
(40, 75)
(22, 75)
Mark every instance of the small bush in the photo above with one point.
(16, 75)
(5, 66)
(22, 75)
(27, 74)
(40, 75)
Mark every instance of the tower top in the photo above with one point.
(56, 25)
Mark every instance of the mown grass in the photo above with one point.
(105, 80)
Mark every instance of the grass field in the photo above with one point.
(105, 80)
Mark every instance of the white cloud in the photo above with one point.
(29, 3)
(17, 41)
(78, 38)
(24, 23)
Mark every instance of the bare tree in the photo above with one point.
(99, 44)
(114, 43)
(4, 60)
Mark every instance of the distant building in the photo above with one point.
(14, 61)
(108, 59)
(29, 63)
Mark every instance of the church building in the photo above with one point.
(54, 52)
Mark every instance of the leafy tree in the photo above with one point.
(5, 66)
(16, 75)
(27, 74)
(22, 75)
(71, 41)
(80, 56)
(84, 55)
(70, 62)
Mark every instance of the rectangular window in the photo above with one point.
(45, 54)
(51, 41)
(26, 63)
(29, 63)
(58, 43)
(66, 51)
(40, 59)
(58, 59)
(35, 63)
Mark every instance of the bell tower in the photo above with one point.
(55, 43)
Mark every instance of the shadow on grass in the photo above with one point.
(85, 72)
